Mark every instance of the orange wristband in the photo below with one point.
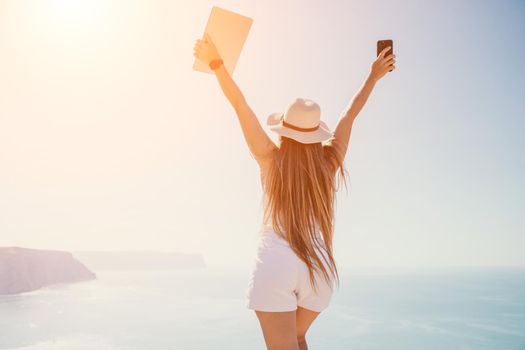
(214, 64)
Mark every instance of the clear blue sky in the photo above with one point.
(109, 140)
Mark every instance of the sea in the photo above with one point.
(376, 308)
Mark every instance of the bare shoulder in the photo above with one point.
(333, 153)
(264, 160)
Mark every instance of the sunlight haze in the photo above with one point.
(110, 141)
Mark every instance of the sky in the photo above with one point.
(109, 140)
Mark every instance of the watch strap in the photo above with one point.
(216, 63)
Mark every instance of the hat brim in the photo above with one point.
(319, 135)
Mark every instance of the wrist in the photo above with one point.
(372, 77)
(215, 63)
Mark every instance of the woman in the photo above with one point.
(293, 273)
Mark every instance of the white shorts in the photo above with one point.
(279, 280)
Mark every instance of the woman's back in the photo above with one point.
(267, 222)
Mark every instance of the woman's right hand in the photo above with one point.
(382, 64)
(206, 50)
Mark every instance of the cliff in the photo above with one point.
(24, 270)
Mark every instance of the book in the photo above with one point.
(228, 31)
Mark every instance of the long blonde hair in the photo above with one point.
(301, 185)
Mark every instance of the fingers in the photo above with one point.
(388, 58)
(204, 48)
(208, 39)
(382, 64)
(201, 44)
(388, 62)
(383, 52)
(197, 48)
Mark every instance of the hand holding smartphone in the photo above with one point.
(382, 44)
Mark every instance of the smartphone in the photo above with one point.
(381, 44)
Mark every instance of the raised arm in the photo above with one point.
(259, 143)
(378, 69)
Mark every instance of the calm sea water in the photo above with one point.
(449, 309)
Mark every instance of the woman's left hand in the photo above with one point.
(382, 64)
(205, 50)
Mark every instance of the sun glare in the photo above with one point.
(76, 11)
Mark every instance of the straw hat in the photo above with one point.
(301, 122)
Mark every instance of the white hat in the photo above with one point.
(301, 122)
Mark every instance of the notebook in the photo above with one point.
(228, 31)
